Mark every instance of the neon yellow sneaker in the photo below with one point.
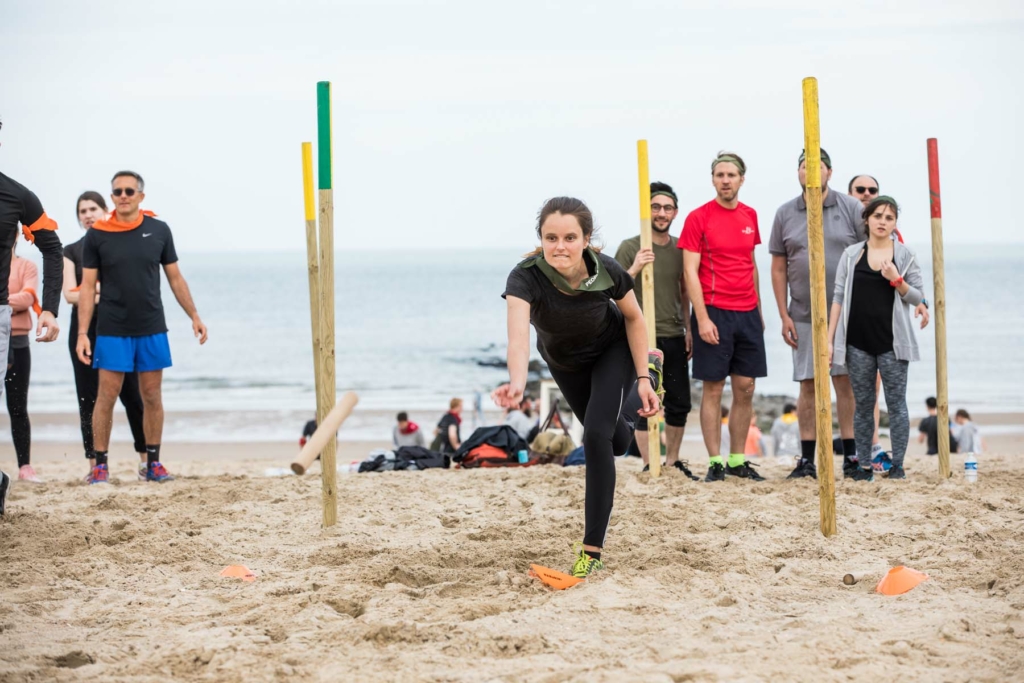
(655, 363)
(585, 565)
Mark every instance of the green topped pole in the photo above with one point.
(327, 387)
(325, 154)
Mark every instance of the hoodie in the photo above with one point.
(23, 288)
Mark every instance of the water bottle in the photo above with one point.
(524, 457)
(970, 468)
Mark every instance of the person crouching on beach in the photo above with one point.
(406, 432)
(878, 283)
(591, 333)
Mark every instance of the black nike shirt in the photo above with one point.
(129, 265)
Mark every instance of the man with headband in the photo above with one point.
(720, 273)
(791, 281)
(672, 316)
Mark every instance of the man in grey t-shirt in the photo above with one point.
(791, 281)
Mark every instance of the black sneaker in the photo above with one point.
(804, 469)
(863, 475)
(850, 468)
(5, 483)
(896, 473)
(744, 471)
(681, 465)
(716, 472)
(647, 468)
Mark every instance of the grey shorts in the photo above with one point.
(803, 355)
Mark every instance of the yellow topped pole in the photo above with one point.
(313, 263)
(647, 275)
(819, 311)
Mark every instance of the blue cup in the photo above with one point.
(524, 457)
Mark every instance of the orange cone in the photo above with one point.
(239, 571)
(899, 580)
(555, 579)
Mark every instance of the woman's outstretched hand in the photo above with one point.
(648, 398)
(508, 396)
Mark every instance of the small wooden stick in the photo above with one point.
(324, 433)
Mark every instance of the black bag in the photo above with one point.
(502, 437)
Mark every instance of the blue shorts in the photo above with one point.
(132, 354)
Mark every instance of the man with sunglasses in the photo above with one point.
(672, 313)
(843, 226)
(864, 188)
(18, 204)
(126, 252)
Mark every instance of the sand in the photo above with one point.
(425, 576)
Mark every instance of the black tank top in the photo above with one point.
(870, 324)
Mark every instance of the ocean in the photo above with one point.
(412, 328)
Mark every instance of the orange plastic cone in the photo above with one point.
(555, 579)
(239, 571)
(899, 580)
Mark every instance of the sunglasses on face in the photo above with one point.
(860, 189)
(656, 208)
(129, 192)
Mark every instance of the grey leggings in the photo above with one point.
(863, 369)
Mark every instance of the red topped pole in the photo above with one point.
(938, 272)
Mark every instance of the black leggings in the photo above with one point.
(604, 398)
(19, 369)
(87, 384)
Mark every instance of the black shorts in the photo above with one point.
(677, 383)
(740, 348)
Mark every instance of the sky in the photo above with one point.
(455, 121)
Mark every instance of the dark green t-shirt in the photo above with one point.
(668, 274)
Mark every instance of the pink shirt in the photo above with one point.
(24, 295)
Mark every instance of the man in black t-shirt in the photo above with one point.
(929, 429)
(18, 204)
(126, 252)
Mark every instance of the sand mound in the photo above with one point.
(425, 578)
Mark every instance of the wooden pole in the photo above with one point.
(313, 266)
(819, 311)
(938, 273)
(647, 279)
(325, 160)
(325, 432)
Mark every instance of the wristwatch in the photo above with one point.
(925, 302)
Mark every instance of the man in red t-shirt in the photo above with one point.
(720, 273)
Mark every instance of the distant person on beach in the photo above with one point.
(308, 430)
(522, 420)
(591, 333)
(22, 288)
(865, 188)
(672, 318)
(126, 251)
(18, 204)
(91, 207)
(406, 432)
(791, 281)
(754, 445)
(785, 434)
(718, 244)
(968, 439)
(446, 435)
(870, 332)
(928, 429)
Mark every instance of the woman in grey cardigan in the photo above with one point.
(878, 284)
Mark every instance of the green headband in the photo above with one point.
(731, 158)
(885, 199)
(665, 193)
(824, 157)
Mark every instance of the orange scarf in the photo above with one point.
(111, 224)
(44, 222)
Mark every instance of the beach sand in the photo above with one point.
(425, 575)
